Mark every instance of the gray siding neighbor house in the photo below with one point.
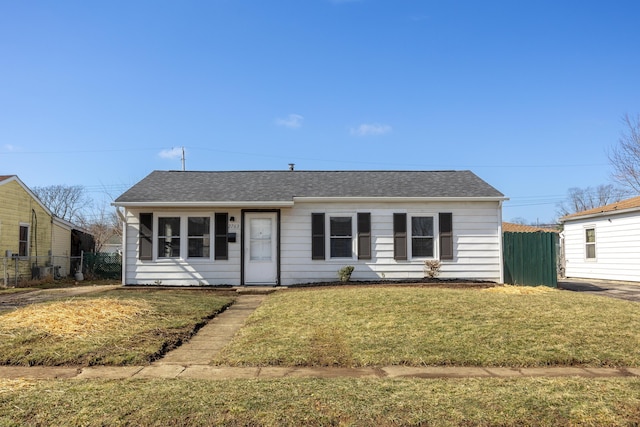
(187, 228)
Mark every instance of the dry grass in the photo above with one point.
(8, 386)
(330, 402)
(119, 327)
(77, 317)
(520, 290)
(366, 326)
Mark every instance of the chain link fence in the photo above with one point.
(19, 271)
(103, 265)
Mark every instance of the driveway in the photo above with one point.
(622, 290)
(20, 299)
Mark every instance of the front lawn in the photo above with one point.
(309, 402)
(377, 326)
(120, 327)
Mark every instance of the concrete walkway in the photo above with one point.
(191, 360)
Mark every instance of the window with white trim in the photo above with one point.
(23, 240)
(590, 243)
(422, 237)
(199, 236)
(169, 237)
(341, 235)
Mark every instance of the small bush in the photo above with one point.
(345, 273)
(432, 268)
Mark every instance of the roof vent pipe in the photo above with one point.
(291, 166)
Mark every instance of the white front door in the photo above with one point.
(260, 248)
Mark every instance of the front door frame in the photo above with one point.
(243, 229)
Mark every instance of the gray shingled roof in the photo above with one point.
(283, 186)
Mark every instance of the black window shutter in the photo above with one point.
(317, 236)
(400, 236)
(146, 237)
(364, 235)
(446, 235)
(221, 248)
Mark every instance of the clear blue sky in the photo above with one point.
(527, 94)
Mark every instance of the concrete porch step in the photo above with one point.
(257, 290)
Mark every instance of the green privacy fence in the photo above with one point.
(102, 265)
(530, 258)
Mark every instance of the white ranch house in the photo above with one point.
(292, 227)
(604, 242)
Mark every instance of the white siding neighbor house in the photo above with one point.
(293, 227)
(604, 243)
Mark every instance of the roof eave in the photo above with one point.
(397, 199)
(598, 214)
(224, 204)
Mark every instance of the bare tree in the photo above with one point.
(625, 157)
(582, 199)
(103, 223)
(64, 201)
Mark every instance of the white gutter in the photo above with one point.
(282, 203)
(500, 243)
(124, 257)
(397, 199)
(226, 204)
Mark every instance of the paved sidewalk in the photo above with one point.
(191, 360)
(207, 372)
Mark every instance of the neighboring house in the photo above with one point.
(291, 227)
(604, 242)
(32, 240)
(113, 245)
(68, 243)
(25, 228)
(61, 246)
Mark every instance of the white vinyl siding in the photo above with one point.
(477, 244)
(181, 271)
(617, 247)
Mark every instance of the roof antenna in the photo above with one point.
(183, 159)
(291, 166)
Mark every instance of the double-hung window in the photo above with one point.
(199, 236)
(184, 236)
(169, 237)
(590, 243)
(422, 236)
(23, 241)
(341, 236)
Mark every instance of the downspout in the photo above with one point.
(124, 244)
(34, 225)
(500, 241)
